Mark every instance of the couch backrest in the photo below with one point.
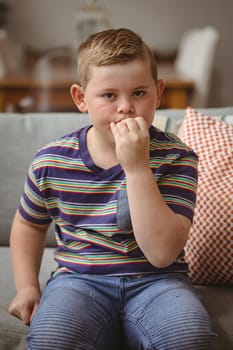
(173, 118)
(21, 135)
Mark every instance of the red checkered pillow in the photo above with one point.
(209, 250)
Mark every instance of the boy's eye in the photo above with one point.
(139, 93)
(109, 95)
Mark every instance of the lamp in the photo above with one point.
(90, 18)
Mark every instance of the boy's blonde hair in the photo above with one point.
(110, 47)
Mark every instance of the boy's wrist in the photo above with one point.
(27, 284)
(138, 171)
(28, 288)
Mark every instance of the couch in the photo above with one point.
(20, 136)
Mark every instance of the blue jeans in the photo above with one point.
(91, 312)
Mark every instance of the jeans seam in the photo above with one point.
(109, 320)
(84, 294)
(136, 322)
(161, 293)
(95, 341)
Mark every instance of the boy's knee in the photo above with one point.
(65, 329)
(194, 333)
(50, 334)
(184, 338)
(56, 329)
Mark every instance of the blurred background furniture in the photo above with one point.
(54, 73)
(178, 90)
(90, 18)
(9, 60)
(44, 83)
(195, 60)
(41, 82)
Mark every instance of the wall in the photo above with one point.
(49, 23)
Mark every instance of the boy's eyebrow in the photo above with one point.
(105, 90)
(115, 89)
(141, 87)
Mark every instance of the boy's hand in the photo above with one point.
(25, 304)
(132, 139)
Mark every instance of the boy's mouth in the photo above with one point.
(126, 116)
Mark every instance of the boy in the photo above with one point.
(122, 195)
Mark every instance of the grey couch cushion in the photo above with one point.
(25, 135)
(219, 303)
(7, 290)
(12, 330)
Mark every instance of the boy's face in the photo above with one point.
(120, 91)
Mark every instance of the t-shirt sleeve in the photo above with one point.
(32, 205)
(178, 184)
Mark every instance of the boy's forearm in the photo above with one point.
(158, 230)
(27, 245)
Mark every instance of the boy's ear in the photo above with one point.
(159, 88)
(77, 95)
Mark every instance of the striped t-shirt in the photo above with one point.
(89, 205)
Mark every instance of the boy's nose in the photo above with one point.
(125, 106)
